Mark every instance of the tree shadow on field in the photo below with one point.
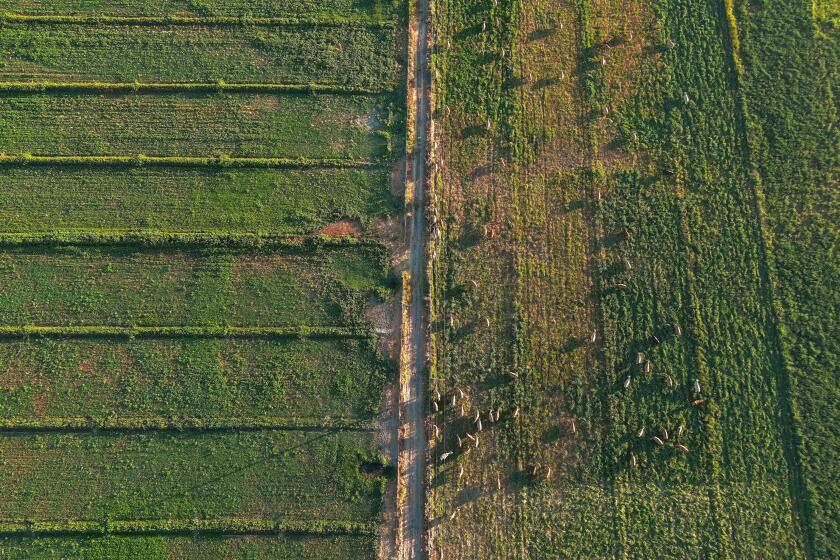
(470, 131)
(543, 83)
(468, 494)
(481, 171)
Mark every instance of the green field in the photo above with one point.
(189, 277)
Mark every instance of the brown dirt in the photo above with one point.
(343, 228)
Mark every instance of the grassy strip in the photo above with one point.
(168, 423)
(187, 240)
(219, 526)
(7, 331)
(212, 162)
(218, 21)
(191, 87)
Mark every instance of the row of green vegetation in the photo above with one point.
(198, 378)
(262, 125)
(202, 8)
(790, 84)
(345, 55)
(42, 199)
(130, 286)
(291, 547)
(306, 475)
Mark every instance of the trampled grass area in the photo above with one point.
(339, 547)
(191, 378)
(135, 287)
(307, 475)
(206, 8)
(39, 199)
(117, 53)
(289, 126)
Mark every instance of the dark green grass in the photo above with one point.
(176, 199)
(218, 378)
(201, 8)
(344, 55)
(287, 547)
(300, 475)
(311, 126)
(129, 287)
(793, 126)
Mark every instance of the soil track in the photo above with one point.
(413, 451)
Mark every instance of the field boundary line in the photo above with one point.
(183, 240)
(789, 429)
(187, 87)
(219, 526)
(185, 21)
(7, 332)
(142, 160)
(22, 425)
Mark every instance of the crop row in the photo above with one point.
(104, 379)
(171, 20)
(195, 547)
(172, 475)
(293, 130)
(352, 56)
(141, 160)
(17, 331)
(13, 424)
(205, 8)
(218, 526)
(185, 87)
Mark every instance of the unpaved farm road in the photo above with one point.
(414, 443)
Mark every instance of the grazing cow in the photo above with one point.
(657, 441)
(445, 456)
(469, 435)
(437, 394)
(460, 442)
(640, 358)
(621, 286)
(516, 412)
(665, 434)
(435, 405)
(698, 402)
(477, 416)
(454, 401)
(460, 392)
(479, 425)
(460, 473)
(633, 462)
(498, 482)
(682, 448)
(452, 515)
(680, 430)
(594, 337)
(677, 329)
(697, 386)
(669, 381)
(625, 233)
(627, 383)
(648, 366)
(655, 339)
(574, 427)
(641, 432)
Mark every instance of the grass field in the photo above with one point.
(620, 169)
(191, 282)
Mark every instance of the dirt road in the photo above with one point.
(414, 442)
